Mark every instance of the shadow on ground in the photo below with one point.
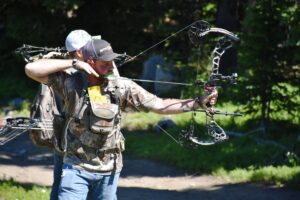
(22, 152)
(224, 192)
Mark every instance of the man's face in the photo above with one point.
(103, 67)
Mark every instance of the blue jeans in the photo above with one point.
(58, 163)
(80, 185)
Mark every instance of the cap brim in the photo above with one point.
(109, 57)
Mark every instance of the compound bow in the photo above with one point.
(16, 126)
(196, 31)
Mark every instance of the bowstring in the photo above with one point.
(193, 114)
(158, 43)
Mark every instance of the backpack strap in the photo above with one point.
(80, 107)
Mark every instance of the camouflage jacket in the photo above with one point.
(96, 151)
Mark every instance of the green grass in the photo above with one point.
(279, 176)
(11, 190)
(22, 112)
(238, 159)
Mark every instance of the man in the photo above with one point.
(75, 40)
(93, 103)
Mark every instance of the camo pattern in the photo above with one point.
(96, 152)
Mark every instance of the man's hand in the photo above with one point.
(2, 122)
(86, 67)
(208, 99)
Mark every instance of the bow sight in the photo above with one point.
(218, 80)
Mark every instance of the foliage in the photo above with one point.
(16, 30)
(10, 189)
(140, 24)
(270, 59)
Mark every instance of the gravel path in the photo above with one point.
(140, 180)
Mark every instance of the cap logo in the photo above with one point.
(105, 49)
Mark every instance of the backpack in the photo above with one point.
(45, 112)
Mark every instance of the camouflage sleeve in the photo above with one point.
(56, 81)
(140, 98)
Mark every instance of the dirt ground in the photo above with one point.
(140, 179)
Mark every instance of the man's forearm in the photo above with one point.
(174, 106)
(45, 67)
(41, 69)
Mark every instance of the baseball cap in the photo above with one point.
(98, 49)
(77, 39)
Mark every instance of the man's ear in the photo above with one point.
(78, 54)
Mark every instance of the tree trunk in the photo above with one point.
(227, 18)
(265, 109)
(263, 112)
